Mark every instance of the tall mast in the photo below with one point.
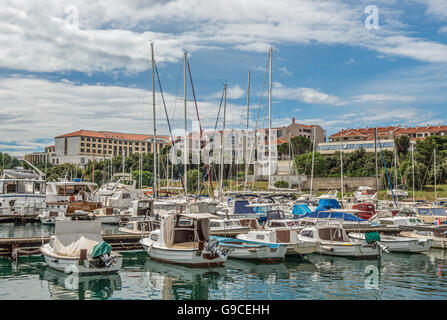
(341, 172)
(155, 127)
(246, 134)
(313, 161)
(221, 143)
(395, 169)
(185, 156)
(270, 117)
(434, 173)
(412, 161)
(375, 156)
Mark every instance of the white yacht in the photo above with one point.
(120, 192)
(21, 192)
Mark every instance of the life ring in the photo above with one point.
(93, 217)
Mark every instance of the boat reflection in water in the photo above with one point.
(69, 286)
(174, 282)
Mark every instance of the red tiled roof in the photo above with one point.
(109, 135)
(388, 131)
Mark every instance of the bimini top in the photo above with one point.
(332, 215)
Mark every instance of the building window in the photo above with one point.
(88, 139)
(94, 145)
(82, 150)
(65, 145)
(82, 138)
(82, 144)
(94, 139)
(88, 150)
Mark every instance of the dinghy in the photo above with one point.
(78, 246)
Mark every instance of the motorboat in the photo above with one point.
(334, 241)
(21, 192)
(365, 193)
(120, 192)
(142, 227)
(49, 217)
(252, 250)
(140, 209)
(399, 244)
(77, 246)
(294, 243)
(431, 214)
(184, 239)
(345, 217)
(227, 227)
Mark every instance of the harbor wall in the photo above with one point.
(350, 183)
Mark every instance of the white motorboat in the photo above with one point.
(184, 239)
(334, 241)
(295, 244)
(365, 193)
(49, 217)
(143, 227)
(252, 250)
(21, 192)
(77, 246)
(120, 192)
(227, 227)
(140, 209)
(399, 244)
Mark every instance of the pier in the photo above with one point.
(14, 247)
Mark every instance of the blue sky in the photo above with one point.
(70, 65)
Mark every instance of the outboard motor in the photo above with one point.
(213, 248)
(105, 260)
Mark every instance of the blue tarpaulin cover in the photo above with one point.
(240, 207)
(299, 209)
(334, 215)
(326, 204)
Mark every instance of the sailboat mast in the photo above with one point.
(313, 162)
(221, 143)
(246, 134)
(155, 127)
(185, 156)
(375, 156)
(341, 172)
(412, 162)
(434, 173)
(270, 117)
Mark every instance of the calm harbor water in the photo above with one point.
(395, 276)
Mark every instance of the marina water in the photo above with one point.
(394, 276)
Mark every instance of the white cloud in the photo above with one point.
(382, 98)
(113, 35)
(36, 109)
(308, 95)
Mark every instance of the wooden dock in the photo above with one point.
(14, 247)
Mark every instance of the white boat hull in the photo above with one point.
(401, 244)
(71, 264)
(349, 250)
(188, 257)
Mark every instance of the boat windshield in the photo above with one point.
(438, 212)
(424, 212)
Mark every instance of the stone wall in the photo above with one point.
(350, 183)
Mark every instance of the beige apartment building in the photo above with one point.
(81, 146)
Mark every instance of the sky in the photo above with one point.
(78, 64)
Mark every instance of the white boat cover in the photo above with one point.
(72, 236)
